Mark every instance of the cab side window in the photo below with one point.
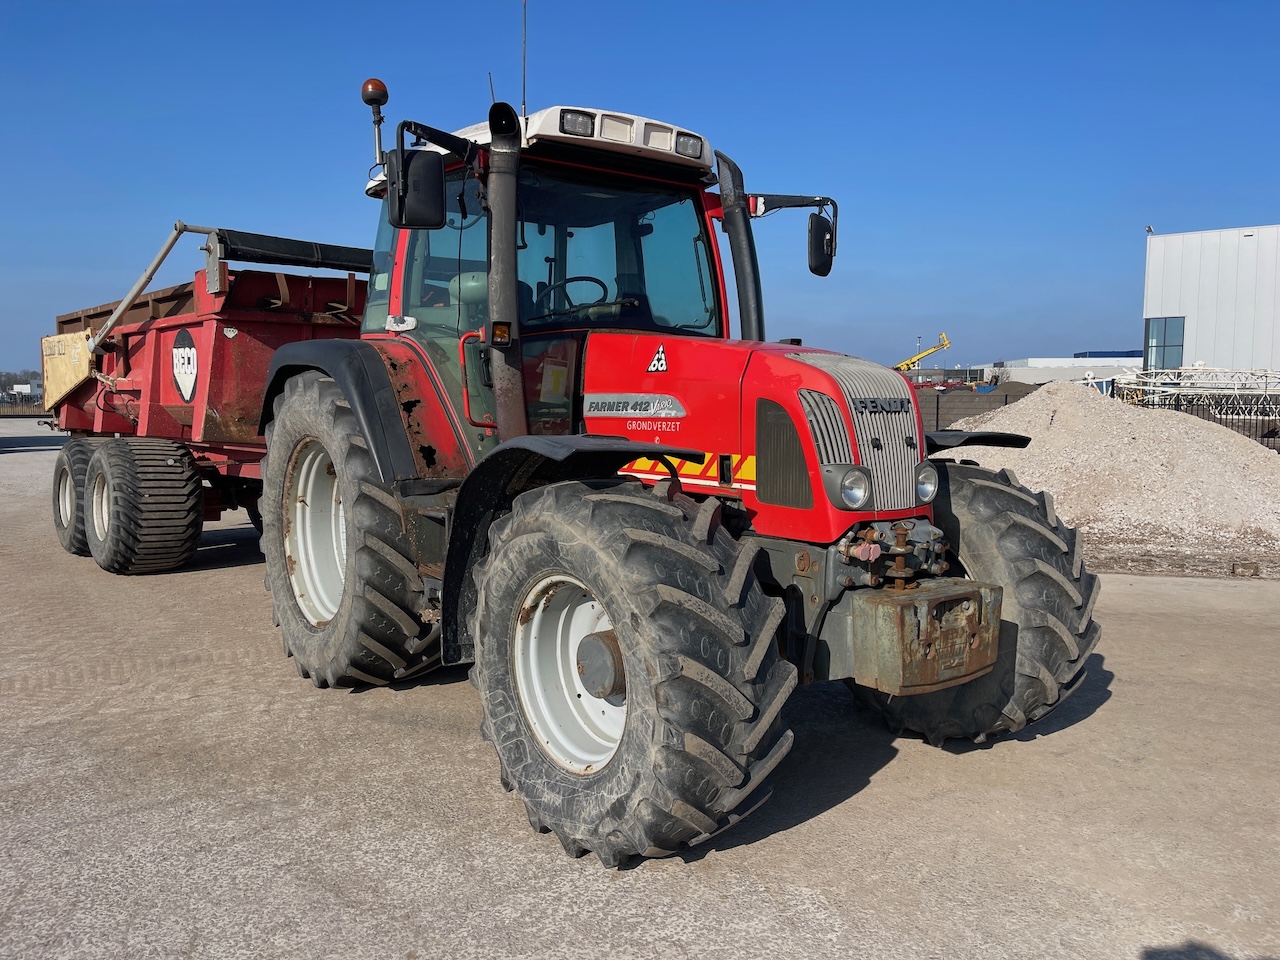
(378, 299)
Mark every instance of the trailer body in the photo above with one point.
(190, 363)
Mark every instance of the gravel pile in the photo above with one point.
(1153, 490)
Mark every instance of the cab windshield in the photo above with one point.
(592, 251)
(609, 252)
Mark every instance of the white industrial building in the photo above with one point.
(1049, 369)
(1212, 299)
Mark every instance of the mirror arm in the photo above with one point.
(465, 150)
(762, 203)
(462, 148)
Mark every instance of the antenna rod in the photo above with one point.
(524, 58)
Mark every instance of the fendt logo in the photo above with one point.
(184, 365)
(881, 404)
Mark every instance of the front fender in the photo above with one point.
(520, 464)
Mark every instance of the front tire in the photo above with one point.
(1004, 534)
(340, 568)
(675, 740)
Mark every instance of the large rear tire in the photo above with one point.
(1004, 534)
(68, 494)
(143, 505)
(628, 668)
(340, 568)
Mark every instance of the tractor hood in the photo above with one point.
(773, 418)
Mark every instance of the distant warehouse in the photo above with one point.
(1212, 299)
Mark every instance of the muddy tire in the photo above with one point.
(345, 588)
(68, 495)
(1004, 534)
(143, 505)
(684, 729)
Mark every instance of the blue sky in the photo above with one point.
(995, 163)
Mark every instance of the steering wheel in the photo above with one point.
(545, 295)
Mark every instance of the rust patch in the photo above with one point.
(528, 609)
(404, 377)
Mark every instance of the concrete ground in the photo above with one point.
(169, 787)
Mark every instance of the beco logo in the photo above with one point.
(184, 365)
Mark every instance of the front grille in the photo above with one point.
(827, 425)
(781, 475)
(887, 441)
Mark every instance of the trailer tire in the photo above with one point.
(143, 505)
(689, 728)
(68, 494)
(1003, 533)
(341, 571)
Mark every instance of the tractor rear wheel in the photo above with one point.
(68, 494)
(628, 668)
(1004, 534)
(143, 505)
(344, 584)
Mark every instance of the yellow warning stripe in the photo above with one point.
(705, 474)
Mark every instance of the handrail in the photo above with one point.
(466, 393)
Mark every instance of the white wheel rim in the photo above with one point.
(315, 539)
(66, 498)
(101, 500)
(576, 730)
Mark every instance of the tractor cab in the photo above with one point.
(613, 221)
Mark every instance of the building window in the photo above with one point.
(1163, 343)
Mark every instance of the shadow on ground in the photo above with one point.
(839, 748)
(1093, 692)
(33, 444)
(226, 547)
(1191, 950)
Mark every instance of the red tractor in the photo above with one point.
(544, 454)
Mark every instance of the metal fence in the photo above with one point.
(1246, 401)
(939, 409)
(1237, 413)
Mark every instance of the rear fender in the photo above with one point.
(359, 371)
(520, 464)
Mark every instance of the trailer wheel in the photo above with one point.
(628, 668)
(68, 495)
(143, 508)
(1003, 533)
(344, 584)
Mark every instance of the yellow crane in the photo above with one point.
(911, 362)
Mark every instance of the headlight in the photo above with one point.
(926, 482)
(855, 488)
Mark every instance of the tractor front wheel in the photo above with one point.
(628, 668)
(1004, 534)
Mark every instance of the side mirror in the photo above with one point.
(415, 189)
(822, 245)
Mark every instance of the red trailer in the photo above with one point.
(186, 367)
